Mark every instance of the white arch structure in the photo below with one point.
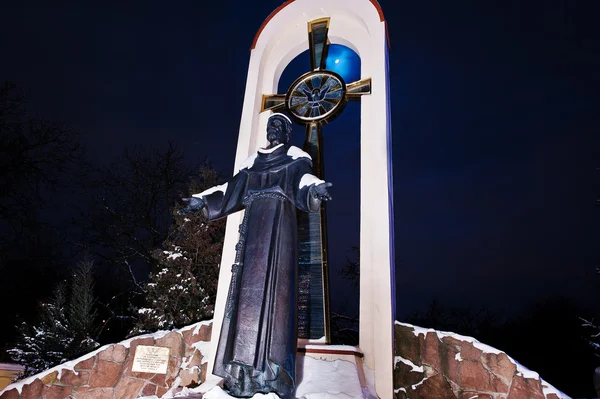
(360, 25)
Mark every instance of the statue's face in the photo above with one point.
(277, 131)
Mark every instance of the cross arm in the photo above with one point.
(273, 102)
(356, 89)
(318, 43)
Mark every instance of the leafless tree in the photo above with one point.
(36, 158)
(129, 212)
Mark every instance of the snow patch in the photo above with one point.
(156, 335)
(204, 348)
(296, 153)
(215, 392)
(172, 255)
(196, 326)
(419, 383)
(279, 114)
(525, 372)
(188, 393)
(415, 368)
(218, 393)
(249, 162)
(346, 348)
(269, 150)
(171, 391)
(323, 379)
(309, 179)
(222, 188)
(302, 342)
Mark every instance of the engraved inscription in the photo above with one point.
(150, 359)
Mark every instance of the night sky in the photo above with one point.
(496, 151)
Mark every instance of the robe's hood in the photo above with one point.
(273, 157)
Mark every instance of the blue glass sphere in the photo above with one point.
(343, 61)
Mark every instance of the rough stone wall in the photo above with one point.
(435, 364)
(106, 373)
(429, 364)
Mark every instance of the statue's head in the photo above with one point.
(279, 129)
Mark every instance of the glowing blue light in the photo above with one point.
(343, 61)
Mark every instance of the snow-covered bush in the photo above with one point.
(65, 328)
(183, 288)
(594, 334)
(593, 328)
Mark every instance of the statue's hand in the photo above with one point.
(320, 192)
(193, 204)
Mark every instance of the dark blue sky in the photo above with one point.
(494, 112)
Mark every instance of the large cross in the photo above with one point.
(314, 99)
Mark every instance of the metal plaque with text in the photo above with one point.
(150, 359)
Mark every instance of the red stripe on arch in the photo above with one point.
(379, 10)
(270, 17)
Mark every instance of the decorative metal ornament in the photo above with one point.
(316, 96)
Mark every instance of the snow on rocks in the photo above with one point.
(414, 367)
(106, 372)
(432, 363)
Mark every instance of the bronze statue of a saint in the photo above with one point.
(257, 347)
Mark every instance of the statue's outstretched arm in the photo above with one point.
(193, 204)
(318, 193)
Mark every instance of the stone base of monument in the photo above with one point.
(428, 364)
(155, 365)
